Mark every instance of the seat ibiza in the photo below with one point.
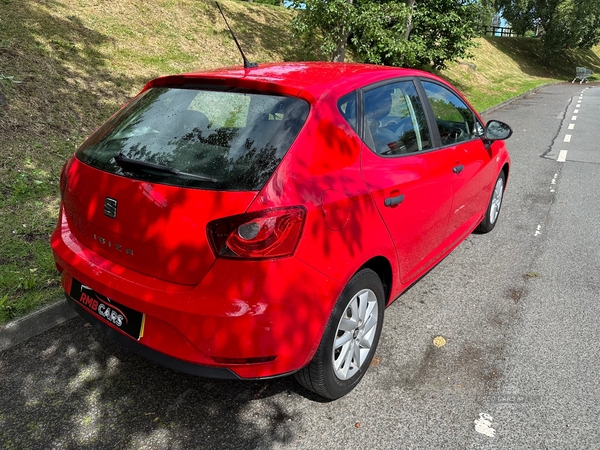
(248, 223)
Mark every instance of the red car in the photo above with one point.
(250, 223)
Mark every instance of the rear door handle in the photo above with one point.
(393, 201)
(458, 169)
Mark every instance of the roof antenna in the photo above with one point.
(247, 64)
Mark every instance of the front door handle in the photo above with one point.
(393, 201)
(458, 169)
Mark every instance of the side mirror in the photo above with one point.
(497, 131)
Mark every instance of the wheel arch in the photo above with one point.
(506, 170)
(382, 267)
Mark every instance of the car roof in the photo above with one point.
(292, 78)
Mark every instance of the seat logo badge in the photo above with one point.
(110, 208)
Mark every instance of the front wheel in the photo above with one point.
(350, 338)
(493, 210)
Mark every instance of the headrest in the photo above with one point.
(194, 119)
(378, 103)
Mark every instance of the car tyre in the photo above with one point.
(350, 338)
(493, 210)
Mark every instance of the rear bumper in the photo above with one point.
(152, 355)
(246, 319)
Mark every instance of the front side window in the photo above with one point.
(395, 121)
(455, 120)
(226, 140)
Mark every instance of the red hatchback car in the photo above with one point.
(250, 223)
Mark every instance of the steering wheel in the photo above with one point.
(454, 135)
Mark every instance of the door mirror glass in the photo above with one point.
(497, 131)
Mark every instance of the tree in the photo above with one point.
(442, 30)
(327, 22)
(563, 24)
(379, 34)
(487, 12)
(410, 33)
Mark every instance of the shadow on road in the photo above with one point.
(78, 389)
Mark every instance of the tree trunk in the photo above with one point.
(411, 6)
(339, 54)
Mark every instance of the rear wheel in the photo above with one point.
(493, 210)
(350, 338)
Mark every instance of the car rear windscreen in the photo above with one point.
(211, 139)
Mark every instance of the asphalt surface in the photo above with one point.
(517, 308)
(552, 359)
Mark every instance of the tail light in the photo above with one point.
(273, 233)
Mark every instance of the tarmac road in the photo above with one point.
(518, 309)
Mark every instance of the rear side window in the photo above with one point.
(212, 139)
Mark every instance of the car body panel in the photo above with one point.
(418, 225)
(472, 186)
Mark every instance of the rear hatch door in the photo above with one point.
(144, 186)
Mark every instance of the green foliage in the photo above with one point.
(378, 36)
(443, 30)
(486, 12)
(325, 25)
(564, 24)
(415, 33)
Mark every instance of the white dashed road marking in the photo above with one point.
(553, 183)
(562, 156)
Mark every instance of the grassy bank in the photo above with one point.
(66, 66)
(503, 68)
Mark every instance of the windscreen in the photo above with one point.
(210, 139)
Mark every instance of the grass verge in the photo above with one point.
(66, 66)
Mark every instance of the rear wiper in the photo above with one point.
(133, 164)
